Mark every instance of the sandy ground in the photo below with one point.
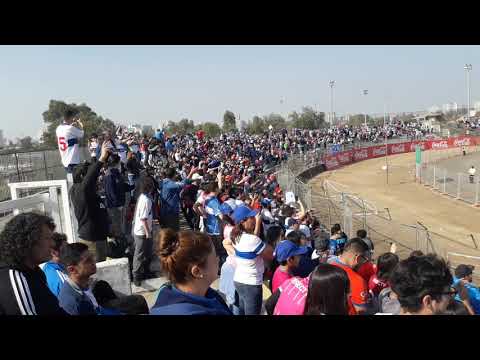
(409, 202)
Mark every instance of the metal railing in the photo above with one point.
(334, 204)
(458, 185)
(41, 165)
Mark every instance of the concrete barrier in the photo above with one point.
(116, 272)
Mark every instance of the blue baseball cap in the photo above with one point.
(266, 202)
(226, 209)
(286, 249)
(241, 213)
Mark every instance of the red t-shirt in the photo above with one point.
(367, 270)
(358, 287)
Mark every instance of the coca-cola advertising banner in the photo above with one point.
(351, 156)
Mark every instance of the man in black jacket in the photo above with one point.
(89, 210)
(25, 243)
(115, 189)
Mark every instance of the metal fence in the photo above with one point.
(31, 166)
(335, 204)
(458, 185)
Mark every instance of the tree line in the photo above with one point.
(307, 118)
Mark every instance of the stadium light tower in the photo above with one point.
(331, 84)
(468, 68)
(365, 93)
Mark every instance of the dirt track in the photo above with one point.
(410, 202)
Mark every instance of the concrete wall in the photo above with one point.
(116, 273)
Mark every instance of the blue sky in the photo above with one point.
(151, 84)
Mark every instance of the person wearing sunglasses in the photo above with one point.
(355, 253)
(422, 285)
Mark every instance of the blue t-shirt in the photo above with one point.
(212, 223)
(336, 245)
(159, 136)
(169, 146)
(56, 276)
(473, 294)
(170, 196)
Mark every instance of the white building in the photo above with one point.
(2, 139)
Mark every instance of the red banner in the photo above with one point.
(372, 152)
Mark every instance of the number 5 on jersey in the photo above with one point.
(62, 145)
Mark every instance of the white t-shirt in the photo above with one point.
(305, 230)
(67, 134)
(250, 265)
(143, 211)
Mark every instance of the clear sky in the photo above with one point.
(151, 84)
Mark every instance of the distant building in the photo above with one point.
(3, 142)
(430, 121)
(147, 129)
(136, 128)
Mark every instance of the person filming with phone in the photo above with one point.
(68, 135)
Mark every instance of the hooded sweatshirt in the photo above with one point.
(172, 301)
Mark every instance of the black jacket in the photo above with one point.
(25, 292)
(89, 210)
(115, 188)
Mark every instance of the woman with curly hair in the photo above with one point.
(25, 243)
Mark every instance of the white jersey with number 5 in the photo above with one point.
(67, 140)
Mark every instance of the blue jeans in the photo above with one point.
(250, 298)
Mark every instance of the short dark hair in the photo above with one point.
(418, 276)
(294, 236)
(72, 253)
(335, 228)
(273, 233)
(385, 265)
(212, 187)
(69, 113)
(59, 240)
(146, 184)
(356, 245)
(19, 236)
(170, 173)
(361, 234)
(416, 253)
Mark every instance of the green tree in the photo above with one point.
(276, 120)
(359, 119)
(186, 126)
(256, 126)
(25, 143)
(229, 123)
(211, 129)
(307, 119)
(92, 122)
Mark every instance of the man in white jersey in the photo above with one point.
(68, 135)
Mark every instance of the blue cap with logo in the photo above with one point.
(286, 249)
(241, 213)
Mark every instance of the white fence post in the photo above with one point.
(444, 181)
(476, 192)
(458, 185)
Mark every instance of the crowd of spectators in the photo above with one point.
(128, 201)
